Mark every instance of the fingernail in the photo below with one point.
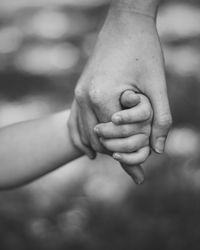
(96, 130)
(160, 145)
(117, 156)
(117, 119)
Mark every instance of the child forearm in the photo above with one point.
(31, 149)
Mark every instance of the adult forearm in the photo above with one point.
(146, 7)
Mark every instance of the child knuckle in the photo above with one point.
(142, 159)
(129, 148)
(124, 130)
(142, 156)
(146, 114)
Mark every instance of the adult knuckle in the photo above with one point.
(79, 95)
(78, 92)
(95, 95)
(165, 121)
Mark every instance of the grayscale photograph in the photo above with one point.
(100, 125)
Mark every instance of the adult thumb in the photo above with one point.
(162, 119)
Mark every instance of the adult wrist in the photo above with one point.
(127, 21)
(143, 7)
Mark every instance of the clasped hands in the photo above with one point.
(121, 105)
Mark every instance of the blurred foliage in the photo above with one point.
(44, 46)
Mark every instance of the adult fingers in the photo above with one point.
(162, 119)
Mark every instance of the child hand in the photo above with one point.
(127, 136)
(128, 133)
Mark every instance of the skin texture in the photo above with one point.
(127, 55)
(129, 142)
(31, 149)
(42, 145)
(145, 7)
(128, 139)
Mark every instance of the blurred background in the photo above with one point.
(44, 45)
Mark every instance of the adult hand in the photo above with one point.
(127, 55)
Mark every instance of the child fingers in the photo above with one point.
(129, 99)
(136, 114)
(139, 113)
(124, 145)
(133, 158)
(110, 130)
